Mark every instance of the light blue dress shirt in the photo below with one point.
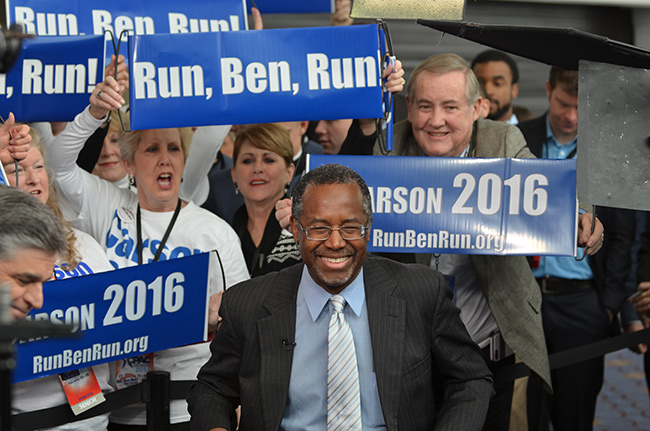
(306, 408)
(561, 266)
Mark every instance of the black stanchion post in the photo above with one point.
(157, 397)
(7, 363)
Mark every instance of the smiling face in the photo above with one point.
(157, 166)
(334, 263)
(32, 176)
(260, 174)
(496, 76)
(25, 274)
(440, 114)
(332, 134)
(109, 166)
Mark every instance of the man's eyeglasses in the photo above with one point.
(322, 233)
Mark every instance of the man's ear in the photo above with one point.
(368, 232)
(515, 90)
(294, 229)
(476, 108)
(304, 125)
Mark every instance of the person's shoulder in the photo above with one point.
(93, 256)
(483, 125)
(499, 139)
(282, 284)
(203, 222)
(533, 124)
(218, 177)
(418, 285)
(199, 215)
(401, 130)
(401, 134)
(312, 147)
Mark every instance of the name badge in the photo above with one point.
(131, 371)
(82, 389)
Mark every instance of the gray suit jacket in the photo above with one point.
(415, 330)
(507, 282)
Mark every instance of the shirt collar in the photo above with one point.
(297, 156)
(465, 152)
(550, 137)
(317, 298)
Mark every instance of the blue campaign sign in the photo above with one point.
(468, 206)
(86, 17)
(255, 76)
(52, 78)
(122, 313)
(293, 6)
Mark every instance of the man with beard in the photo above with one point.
(498, 73)
(277, 351)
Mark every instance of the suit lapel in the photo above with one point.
(276, 332)
(387, 320)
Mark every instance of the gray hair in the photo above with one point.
(27, 223)
(445, 63)
(326, 175)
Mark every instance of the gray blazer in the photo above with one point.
(507, 282)
(415, 331)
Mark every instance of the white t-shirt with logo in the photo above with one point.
(109, 214)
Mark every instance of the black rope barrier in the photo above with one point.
(157, 395)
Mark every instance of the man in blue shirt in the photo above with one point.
(579, 297)
(271, 354)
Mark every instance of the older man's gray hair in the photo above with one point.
(25, 222)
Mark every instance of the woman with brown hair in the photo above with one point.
(262, 171)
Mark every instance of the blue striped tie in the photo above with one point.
(343, 399)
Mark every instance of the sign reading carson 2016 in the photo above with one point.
(468, 206)
(120, 314)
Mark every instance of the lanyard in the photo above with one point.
(164, 239)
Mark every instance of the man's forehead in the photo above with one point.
(11, 270)
(315, 187)
(427, 85)
(319, 194)
(564, 96)
(455, 75)
(494, 66)
(458, 98)
(32, 260)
